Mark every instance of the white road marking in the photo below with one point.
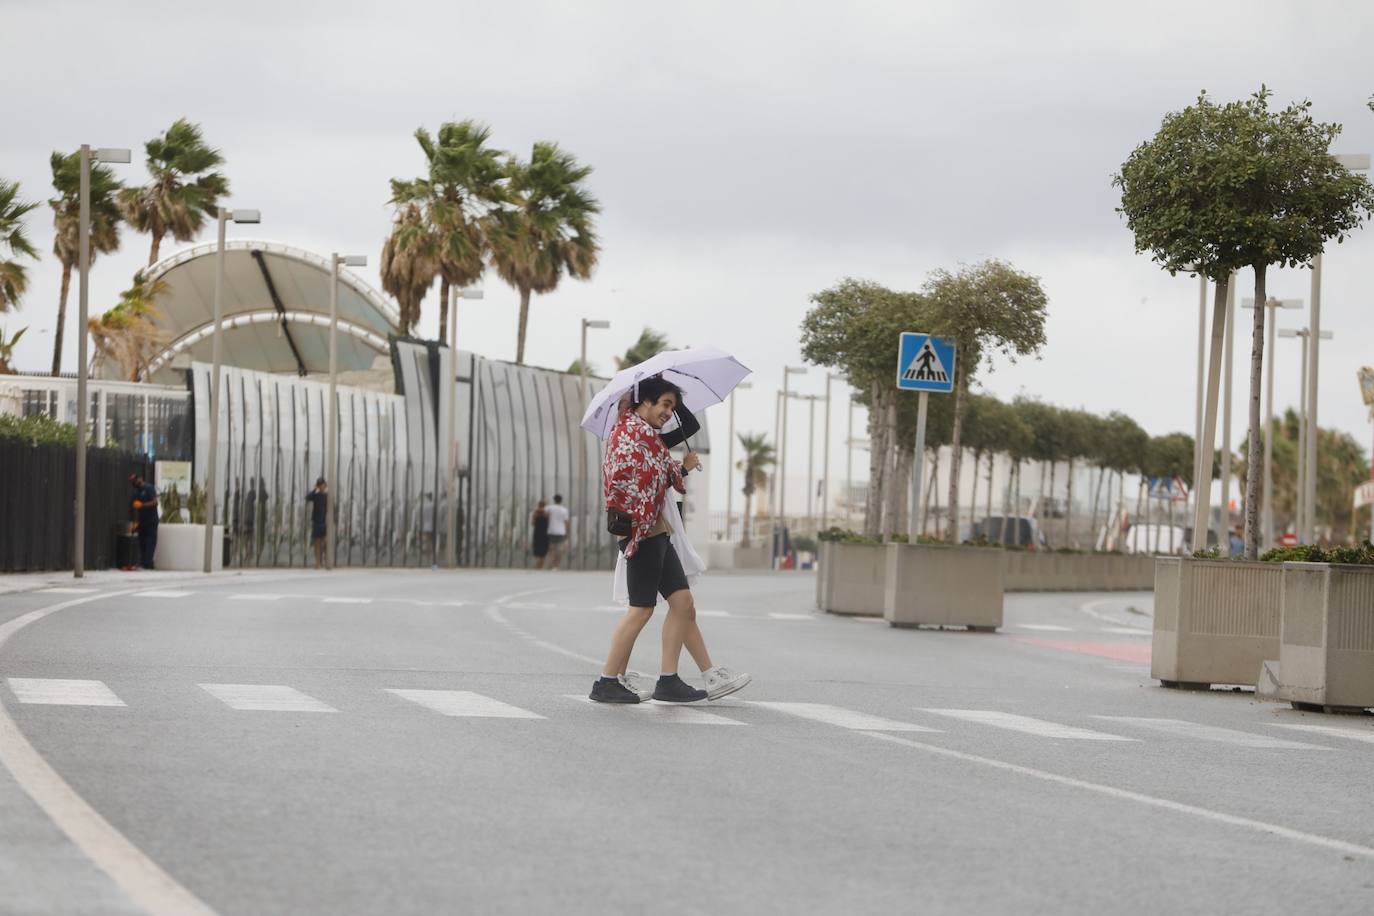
(1212, 733)
(56, 590)
(464, 703)
(1219, 817)
(680, 713)
(255, 597)
(1047, 627)
(1354, 734)
(842, 718)
(1025, 724)
(145, 883)
(456, 603)
(701, 613)
(49, 691)
(265, 698)
(863, 618)
(1127, 631)
(777, 616)
(342, 600)
(495, 614)
(163, 594)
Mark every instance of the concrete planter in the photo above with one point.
(929, 585)
(852, 578)
(1326, 654)
(1216, 621)
(1030, 571)
(733, 556)
(183, 547)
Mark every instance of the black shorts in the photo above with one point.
(654, 570)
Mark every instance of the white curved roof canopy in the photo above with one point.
(275, 310)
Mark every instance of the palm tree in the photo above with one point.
(66, 220)
(650, 343)
(548, 230)
(410, 262)
(758, 455)
(464, 182)
(183, 191)
(14, 276)
(126, 334)
(7, 345)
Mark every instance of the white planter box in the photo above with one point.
(183, 547)
(930, 585)
(1326, 654)
(732, 556)
(1030, 571)
(852, 579)
(1216, 621)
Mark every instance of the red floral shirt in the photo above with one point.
(637, 471)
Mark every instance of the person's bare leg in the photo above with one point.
(623, 639)
(682, 617)
(696, 645)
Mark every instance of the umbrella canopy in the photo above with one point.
(705, 375)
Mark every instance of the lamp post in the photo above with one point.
(450, 488)
(242, 217)
(331, 443)
(730, 464)
(83, 408)
(825, 461)
(1355, 163)
(810, 454)
(580, 444)
(1273, 305)
(1304, 430)
(787, 373)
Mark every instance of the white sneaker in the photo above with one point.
(721, 682)
(634, 682)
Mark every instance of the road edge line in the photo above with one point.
(141, 879)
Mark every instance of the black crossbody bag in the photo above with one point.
(620, 524)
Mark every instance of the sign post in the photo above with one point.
(924, 364)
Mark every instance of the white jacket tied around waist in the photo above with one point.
(692, 563)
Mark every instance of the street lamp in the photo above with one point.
(83, 409)
(581, 445)
(810, 454)
(730, 464)
(787, 373)
(1304, 429)
(450, 490)
(1355, 163)
(1273, 305)
(331, 443)
(825, 462)
(242, 217)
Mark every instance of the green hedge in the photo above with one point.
(38, 429)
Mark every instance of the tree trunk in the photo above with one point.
(992, 466)
(1254, 471)
(973, 496)
(901, 488)
(877, 440)
(890, 460)
(1068, 510)
(744, 527)
(443, 310)
(1097, 501)
(1016, 508)
(157, 246)
(61, 319)
(1054, 467)
(1202, 475)
(524, 322)
(960, 383)
(928, 509)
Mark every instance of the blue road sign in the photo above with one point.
(925, 363)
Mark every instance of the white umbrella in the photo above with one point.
(705, 375)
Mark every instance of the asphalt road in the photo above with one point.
(419, 742)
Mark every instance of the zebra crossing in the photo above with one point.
(468, 704)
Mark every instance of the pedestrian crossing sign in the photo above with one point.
(925, 363)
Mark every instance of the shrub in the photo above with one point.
(1363, 555)
(38, 430)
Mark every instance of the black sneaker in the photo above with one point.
(673, 689)
(604, 691)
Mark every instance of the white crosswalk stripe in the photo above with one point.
(163, 594)
(1354, 734)
(47, 691)
(665, 712)
(777, 616)
(464, 703)
(255, 597)
(343, 600)
(701, 613)
(265, 698)
(1025, 724)
(1212, 733)
(841, 717)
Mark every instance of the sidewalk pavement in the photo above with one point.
(11, 583)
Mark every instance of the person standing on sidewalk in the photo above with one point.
(638, 471)
(145, 519)
(558, 531)
(319, 519)
(539, 537)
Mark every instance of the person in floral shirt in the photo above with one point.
(639, 472)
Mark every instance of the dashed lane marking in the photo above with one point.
(464, 703)
(1212, 733)
(346, 600)
(841, 717)
(265, 698)
(677, 713)
(66, 590)
(46, 691)
(1025, 724)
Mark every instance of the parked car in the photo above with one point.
(1013, 530)
(1157, 539)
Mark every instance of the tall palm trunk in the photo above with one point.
(524, 322)
(960, 383)
(1253, 474)
(443, 309)
(744, 527)
(61, 320)
(157, 246)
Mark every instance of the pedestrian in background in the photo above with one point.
(539, 539)
(145, 519)
(319, 518)
(558, 531)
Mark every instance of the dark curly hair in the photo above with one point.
(653, 388)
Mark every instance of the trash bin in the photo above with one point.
(125, 546)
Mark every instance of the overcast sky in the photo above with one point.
(747, 154)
